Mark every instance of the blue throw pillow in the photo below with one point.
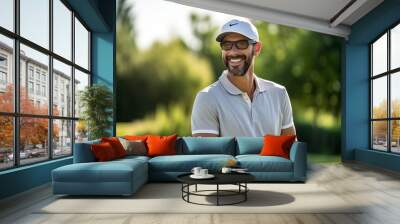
(206, 145)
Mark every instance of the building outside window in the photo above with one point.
(37, 75)
(30, 72)
(30, 87)
(43, 78)
(3, 72)
(3, 78)
(3, 61)
(43, 90)
(38, 89)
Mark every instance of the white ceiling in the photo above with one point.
(321, 9)
(325, 16)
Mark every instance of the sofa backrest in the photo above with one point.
(249, 145)
(83, 152)
(206, 145)
(190, 146)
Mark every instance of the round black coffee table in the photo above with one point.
(238, 179)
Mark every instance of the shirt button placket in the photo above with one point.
(248, 102)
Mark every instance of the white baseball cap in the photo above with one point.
(242, 27)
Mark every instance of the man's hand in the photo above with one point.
(288, 131)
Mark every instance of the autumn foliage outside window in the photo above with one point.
(33, 139)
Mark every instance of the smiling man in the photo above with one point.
(240, 103)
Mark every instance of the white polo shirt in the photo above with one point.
(225, 110)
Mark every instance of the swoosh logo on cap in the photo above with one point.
(232, 24)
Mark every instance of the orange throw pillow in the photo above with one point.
(116, 145)
(136, 137)
(277, 145)
(103, 151)
(161, 145)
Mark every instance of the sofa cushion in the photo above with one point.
(83, 152)
(136, 137)
(111, 171)
(185, 163)
(206, 145)
(103, 151)
(116, 145)
(132, 157)
(249, 145)
(257, 163)
(161, 145)
(277, 145)
(134, 147)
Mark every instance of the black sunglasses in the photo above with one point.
(240, 44)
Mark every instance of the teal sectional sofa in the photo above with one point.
(125, 176)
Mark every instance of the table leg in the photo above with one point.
(182, 188)
(217, 194)
(188, 190)
(196, 188)
(245, 193)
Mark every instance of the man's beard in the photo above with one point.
(241, 69)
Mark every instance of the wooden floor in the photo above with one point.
(379, 190)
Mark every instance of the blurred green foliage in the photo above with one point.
(156, 86)
(165, 121)
(166, 73)
(323, 158)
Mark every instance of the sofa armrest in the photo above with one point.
(83, 152)
(298, 155)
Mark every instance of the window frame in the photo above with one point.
(388, 74)
(16, 114)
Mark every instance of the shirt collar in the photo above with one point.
(228, 86)
(232, 89)
(260, 86)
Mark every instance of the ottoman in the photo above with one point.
(119, 177)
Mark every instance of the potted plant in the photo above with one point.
(96, 104)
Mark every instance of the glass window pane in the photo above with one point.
(7, 14)
(395, 94)
(33, 140)
(395, 136)
(62, 89)
(379, 97)
(62, 29)
(34, 97)
(35, 21)
(379, 135)
(81, 131)
(6, 74)
(81, 81)
(6, 142)
(379, 55)
(81, 45)
(62, 138)
(395, 47)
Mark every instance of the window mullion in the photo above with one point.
(371, 89)
(50, 81)
(16, 84)
(389, 114)
(73, 83)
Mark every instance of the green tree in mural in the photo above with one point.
(205, 31)
(166, 73)
(306, 63)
